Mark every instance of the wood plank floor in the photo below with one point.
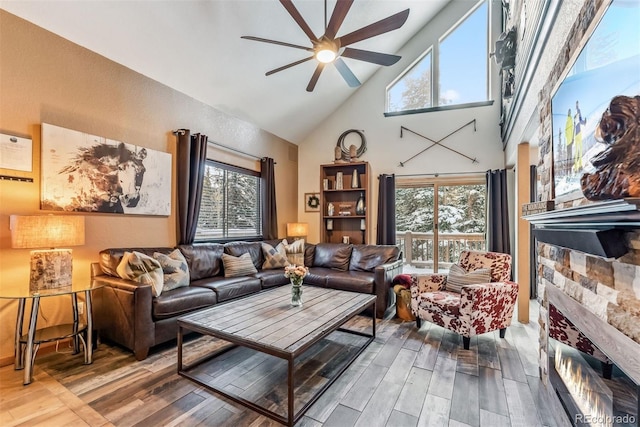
(406, 377)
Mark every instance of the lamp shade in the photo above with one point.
(46, 231)
(297, 229)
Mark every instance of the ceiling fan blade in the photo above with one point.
(284, 67)
(385, 25)
(299, 19)
(337, 17)
(315, 77)
(260, 39)
(368, 56)
(346, 73)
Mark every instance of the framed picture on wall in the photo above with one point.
(312, 202)
(608, 65)
(87, 173)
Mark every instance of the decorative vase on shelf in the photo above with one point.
(355, 179)
(360, 205)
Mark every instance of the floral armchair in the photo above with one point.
(477, 308)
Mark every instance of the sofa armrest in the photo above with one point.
(123, 313)
(488, 306)
(384, 274)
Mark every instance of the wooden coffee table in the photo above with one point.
(266, 322)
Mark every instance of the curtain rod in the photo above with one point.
(183, 131)
(442, 173)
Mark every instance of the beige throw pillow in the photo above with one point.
(295, 251)
(142, 268)
(459, 277)
(274, 257)
(174, 268)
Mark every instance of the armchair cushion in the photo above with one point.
(459, 277)
(499, 263)
(441, 302)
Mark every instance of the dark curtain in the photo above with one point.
(386, 234)
(192, 155)
(497, 212)
(269, 212)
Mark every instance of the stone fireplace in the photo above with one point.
(588, 265)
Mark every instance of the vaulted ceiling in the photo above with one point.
(195, 47)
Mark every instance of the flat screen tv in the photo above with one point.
(608, 65)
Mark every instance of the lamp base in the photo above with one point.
(50, 269)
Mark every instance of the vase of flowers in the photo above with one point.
(295, 275)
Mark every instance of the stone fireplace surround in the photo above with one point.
(599, 294)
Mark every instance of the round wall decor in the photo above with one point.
(345, 150)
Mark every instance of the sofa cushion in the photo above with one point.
(110, 258)
(356, 281)
(318, 276)
(182, 300)
(459, 277)
(254, 249)
(309, 254)
(142, 268)
(441, 303)
(174, 268)
(271, 278)
(204, 259)
(274, 257)
(332, 255)
(368, 257)
(227, 288)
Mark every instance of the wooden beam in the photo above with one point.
(523, 257)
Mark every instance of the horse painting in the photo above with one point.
(115, 176)
(88, 173)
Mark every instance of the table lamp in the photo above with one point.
(297, 230)
(51, 267)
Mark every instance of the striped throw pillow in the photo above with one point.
(235, 266)
(458, 277)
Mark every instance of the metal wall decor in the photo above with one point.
(402, 129)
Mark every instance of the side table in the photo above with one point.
(26, 346)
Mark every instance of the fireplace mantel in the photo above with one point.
(600, 215)
(596, 228)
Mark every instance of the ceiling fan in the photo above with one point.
(331, 49)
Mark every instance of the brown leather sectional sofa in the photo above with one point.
(127, 313)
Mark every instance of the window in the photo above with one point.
(452, 72)
(231, 204)
(413, 90)
(437, 219)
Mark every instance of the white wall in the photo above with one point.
(385, 149)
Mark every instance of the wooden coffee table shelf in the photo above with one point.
(267, 323)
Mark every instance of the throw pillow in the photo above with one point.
(235, 266)
(459, 277)
(174, 268)
(295, 251)
(141, 268)
(274, 257)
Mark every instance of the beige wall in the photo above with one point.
(44, 78)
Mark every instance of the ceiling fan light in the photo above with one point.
(326, 56)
